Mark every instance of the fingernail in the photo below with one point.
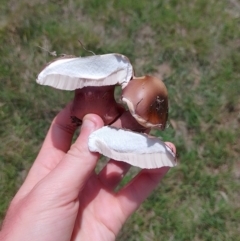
(88, 123)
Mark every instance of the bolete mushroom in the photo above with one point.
(94, 79)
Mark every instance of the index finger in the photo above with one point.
(56, 144)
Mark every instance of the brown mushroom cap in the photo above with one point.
(147, 100)
(97, 100)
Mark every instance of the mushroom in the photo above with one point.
(134, 148)
(147, 100)
(94, 79)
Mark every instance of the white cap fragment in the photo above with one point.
(96, 70)
(134, 148)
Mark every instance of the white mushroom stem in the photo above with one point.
(136, 149)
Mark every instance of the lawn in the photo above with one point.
(194, 46)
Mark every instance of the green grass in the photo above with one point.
(194, 45)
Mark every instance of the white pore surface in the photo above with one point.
(136, 149)
(96, 70)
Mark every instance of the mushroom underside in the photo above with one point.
(134, 148)
(76, 73)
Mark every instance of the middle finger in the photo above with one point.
(111, 175)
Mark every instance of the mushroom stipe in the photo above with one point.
(94, 79)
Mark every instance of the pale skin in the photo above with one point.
(64, 199)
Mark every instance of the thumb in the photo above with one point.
(74, 169)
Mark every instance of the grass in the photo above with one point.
(193, 45)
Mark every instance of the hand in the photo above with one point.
(63, 198)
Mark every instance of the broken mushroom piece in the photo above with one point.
(136, 149)
(76, 73)
(147, 100)
(94, 79)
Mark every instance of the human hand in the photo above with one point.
(63, 198)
